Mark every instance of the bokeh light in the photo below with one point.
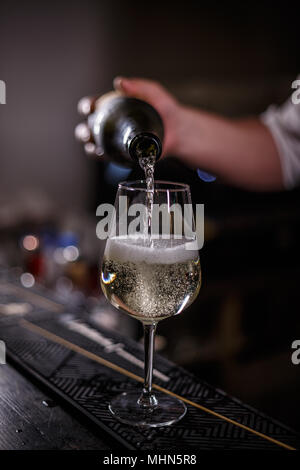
(30, 242)
(27, 280)
(71, 253)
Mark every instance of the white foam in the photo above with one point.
(163, 252)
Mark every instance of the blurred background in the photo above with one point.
(229, 58)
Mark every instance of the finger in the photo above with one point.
(82, 132)
(86, 105)
(140, 88)
(90, 149)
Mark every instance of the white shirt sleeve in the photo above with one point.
(284, 124)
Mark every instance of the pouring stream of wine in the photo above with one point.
(147, 163)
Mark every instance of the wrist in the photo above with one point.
(176, 137)
(186, 144)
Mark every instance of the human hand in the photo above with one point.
(157, 96)
(150, 91)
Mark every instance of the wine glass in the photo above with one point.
(150, 271)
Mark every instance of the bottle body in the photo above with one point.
(124, 129)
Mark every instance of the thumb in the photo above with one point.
(129, 86)
(147, 90)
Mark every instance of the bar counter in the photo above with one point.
(63, 369)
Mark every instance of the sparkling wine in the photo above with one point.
(147, 163)
(150, 282)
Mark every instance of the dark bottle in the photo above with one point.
(120, 128)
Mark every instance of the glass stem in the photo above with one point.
(147, 398)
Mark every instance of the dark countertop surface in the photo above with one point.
(28, 424)
(56, 353)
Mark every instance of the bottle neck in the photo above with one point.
(144, 144)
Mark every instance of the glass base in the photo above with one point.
(125, 408)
